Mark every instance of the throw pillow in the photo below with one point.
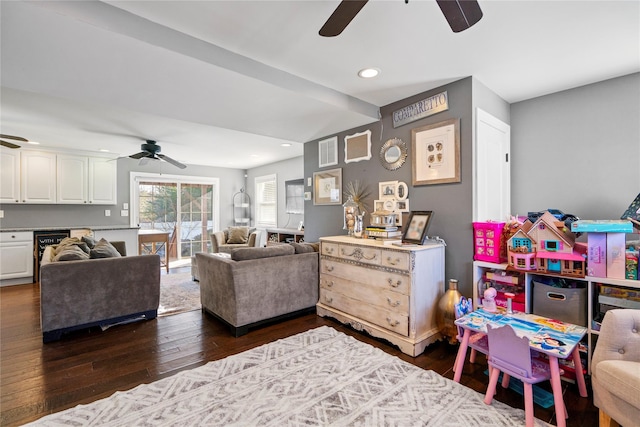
(71, 253)
(104, 249)
(238, 235)
(90, 241)
(70, 241)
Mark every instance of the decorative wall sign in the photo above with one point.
(328, 152)
(436, 153)
(327, 187)
(357, 147)
(421, 109)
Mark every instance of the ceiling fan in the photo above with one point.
(460, 14)
(151, 150)
(11, 144)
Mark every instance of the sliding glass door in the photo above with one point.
(185, 207)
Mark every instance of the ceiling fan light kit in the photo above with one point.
(460, 14)
(151, 150)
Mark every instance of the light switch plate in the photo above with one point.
(124, 212)
(107, 212)
(307, 195)
(309, 182)
(1, 213)
(125, 206)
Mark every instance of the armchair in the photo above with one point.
(615, 368)
(233, 237)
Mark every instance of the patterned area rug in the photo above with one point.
(319, 377)
(178, 293)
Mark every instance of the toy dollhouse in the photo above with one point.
(546, 246)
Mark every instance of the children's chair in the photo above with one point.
(477, 341)
(512, 356)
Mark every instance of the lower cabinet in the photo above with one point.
(16, 257)
(387, 291)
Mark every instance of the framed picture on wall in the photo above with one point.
(327, 187)
(357, 147)
(436, 153)
(328, 152)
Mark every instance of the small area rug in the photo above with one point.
(178, 293)
(319, 377)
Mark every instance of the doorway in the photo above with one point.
(185, 207)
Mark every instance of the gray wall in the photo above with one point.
(34, 216)
(451, 203)
(578, 150)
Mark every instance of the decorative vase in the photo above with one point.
(446, 314)
(358, 227)
(350, 211)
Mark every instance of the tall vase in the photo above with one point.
(446, 314)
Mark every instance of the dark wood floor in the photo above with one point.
(38, 379)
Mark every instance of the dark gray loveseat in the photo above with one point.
(97, 292)
(258, 285)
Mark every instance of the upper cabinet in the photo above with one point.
(29, 176)
(37, 177)
(86, 180)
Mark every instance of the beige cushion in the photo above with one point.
(621, 378)
(104, 249)
(70, 241)
(238, 235)
(70, 253)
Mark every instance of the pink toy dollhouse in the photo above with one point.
(546, 246)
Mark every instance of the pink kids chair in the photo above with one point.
(511, 355)
(477, 341)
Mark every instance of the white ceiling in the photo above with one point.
(225, 83)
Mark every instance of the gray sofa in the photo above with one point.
(96, 292)
(259, 285)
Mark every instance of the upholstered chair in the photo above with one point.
(233, 237)
(615, 369)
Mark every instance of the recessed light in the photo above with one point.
(33, 143)
(367, 73)
(285, 144)
(104, 150)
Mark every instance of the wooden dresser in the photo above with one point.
(390, 292)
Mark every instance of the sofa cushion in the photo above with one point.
(244, 254)
(620, 378)
(70, 241)
(303, 248)
(238, 235)
(104, 249)
(70, 253)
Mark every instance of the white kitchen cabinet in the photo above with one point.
(16, 257)
(86, 180)
(9, 176)
(103, 176)
(37, 177)
(72, 179)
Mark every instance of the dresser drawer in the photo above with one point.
(330, 249)
(383, 298)
(392, 321)
(375, 277)
(395, 259)
(364, 255)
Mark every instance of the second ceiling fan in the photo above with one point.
(460, 14)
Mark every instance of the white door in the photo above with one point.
(492, 189)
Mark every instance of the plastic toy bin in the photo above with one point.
(488, 242)
(565, 304)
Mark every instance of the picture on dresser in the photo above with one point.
(417, 227)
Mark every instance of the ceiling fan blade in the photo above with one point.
(340, 18)
(460, 14)
(8, 144)
(173, 162)
(17, 138)
(140, 155)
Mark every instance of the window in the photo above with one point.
(266, 201)
(294, 193)
(552, 245)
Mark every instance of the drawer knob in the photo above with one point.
(394, 284)
(393, 323)
(330, 284)
(393, 303)
(329, 250)
(329, 300)
(329, 268)
(392, 261)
